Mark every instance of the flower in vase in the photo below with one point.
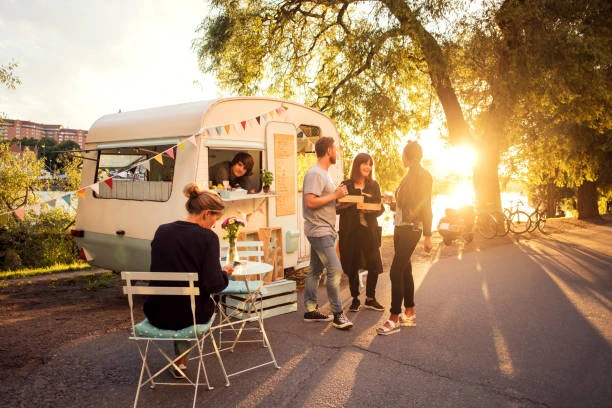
(232, 226)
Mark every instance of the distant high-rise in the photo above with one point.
(21, 129)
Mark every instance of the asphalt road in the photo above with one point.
(518, 325)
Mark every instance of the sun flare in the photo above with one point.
(454, 160)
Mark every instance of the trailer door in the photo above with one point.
(284, 208)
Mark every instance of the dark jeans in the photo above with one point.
(374, 266)
(405, 240)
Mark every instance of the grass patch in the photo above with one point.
(58, 268)
(95, 281)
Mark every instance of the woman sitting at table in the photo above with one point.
(188, 246)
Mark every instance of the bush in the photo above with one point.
(37, 242)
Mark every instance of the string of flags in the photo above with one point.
(213, 131)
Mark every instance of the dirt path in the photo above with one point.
(40, 315)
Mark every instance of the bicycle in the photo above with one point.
(519, 220)
(538, 218)
(460, 223)
(486, 224)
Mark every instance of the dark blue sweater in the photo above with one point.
(183, 246)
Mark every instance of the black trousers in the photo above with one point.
(361, 251)
(405, 240)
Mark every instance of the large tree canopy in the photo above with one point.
(372, 66)
(511, 73)
(558, 67)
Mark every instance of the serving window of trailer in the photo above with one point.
(307, 136)
(140, 173)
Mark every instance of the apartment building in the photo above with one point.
(21, 129)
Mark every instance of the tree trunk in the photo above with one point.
(486, 181)
(458, 129)
(586, 197)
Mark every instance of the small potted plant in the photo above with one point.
(267, 177)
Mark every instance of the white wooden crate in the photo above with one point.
(279, 297)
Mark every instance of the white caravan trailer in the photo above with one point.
(137, 163)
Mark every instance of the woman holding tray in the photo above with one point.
(359, 235)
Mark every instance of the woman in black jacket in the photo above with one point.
(413, 217)
(359, 235)
(188, 246)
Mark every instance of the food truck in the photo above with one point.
(137, 163)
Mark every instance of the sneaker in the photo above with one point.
(317, 316)
(356, 305)
(374, 305)
(341, 322)
(407, 321)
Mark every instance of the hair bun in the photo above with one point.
(192, 190)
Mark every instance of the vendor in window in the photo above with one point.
(238, 172)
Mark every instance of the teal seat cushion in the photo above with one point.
(235, 287)
(146, 329)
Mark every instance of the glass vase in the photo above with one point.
(232, 252)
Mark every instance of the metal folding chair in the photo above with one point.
(149, 337)
(240, 304)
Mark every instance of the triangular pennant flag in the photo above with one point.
(243, 123)
(123, 174)
(159, 159)
(36, 209)
(20, 212)
(227, 129)
(170, 152)
(219, 130)
(85, 255)
(81, 193)
(211, 132)
(192, 139)
(279, 110)
(67, 197)
(285, 107)
(95, 187)
(271, 113)
(258, 120)
(181, 146)
(266, 117)
(51, 203)
(109, 182)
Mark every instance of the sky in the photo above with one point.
(79, 60)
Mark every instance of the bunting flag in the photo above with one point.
(253, 121)
(83, 254)
(20, 212)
